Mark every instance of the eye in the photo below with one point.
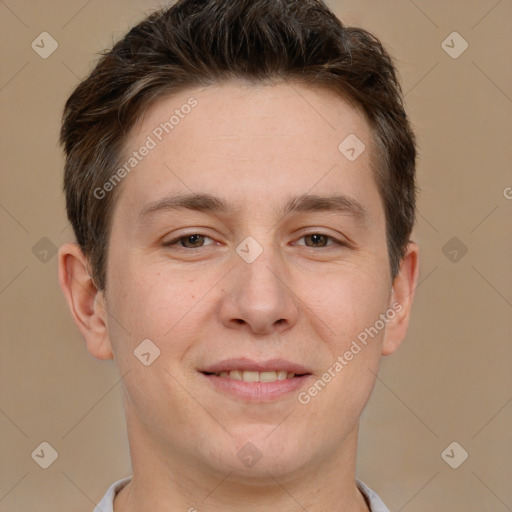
(318, 240)
(192, 241)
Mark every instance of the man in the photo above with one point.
(240, 179)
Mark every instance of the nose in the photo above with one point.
(259, 298)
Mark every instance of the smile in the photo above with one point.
(254, 376)
(256, 381)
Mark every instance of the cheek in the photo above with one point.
(345, 302)
(152, 301)
(351, 303)
(147, 302)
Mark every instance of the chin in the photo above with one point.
(260, 452)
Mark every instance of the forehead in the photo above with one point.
(249, 141)
(265, 111)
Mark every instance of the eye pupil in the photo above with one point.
(192, 239)
(318, 239)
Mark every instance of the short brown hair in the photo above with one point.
(202, 42)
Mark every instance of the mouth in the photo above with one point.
(256, 381)
(254, 376)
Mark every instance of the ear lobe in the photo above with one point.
(401, 300)
(86, 303)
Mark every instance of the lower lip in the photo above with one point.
(256, 391)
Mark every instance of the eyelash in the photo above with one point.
(334, 241)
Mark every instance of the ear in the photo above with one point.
(402, 295)
(86, 303)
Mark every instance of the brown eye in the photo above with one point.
(317, 240)
(192, 241)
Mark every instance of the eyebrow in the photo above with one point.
(197, 202)
(334, 203)
(304, 203)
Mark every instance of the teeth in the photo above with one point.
(252, 376)
(268, 376)
(235, 375)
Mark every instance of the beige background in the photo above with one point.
(451, 381)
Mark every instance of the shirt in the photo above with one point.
(107, 503)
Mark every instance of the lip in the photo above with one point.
(256, 391)
(256, 366)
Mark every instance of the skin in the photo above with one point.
(304, 299)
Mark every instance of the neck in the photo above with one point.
(162, 483)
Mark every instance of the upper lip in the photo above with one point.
(245, 364)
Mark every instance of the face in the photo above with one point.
(251, 251)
